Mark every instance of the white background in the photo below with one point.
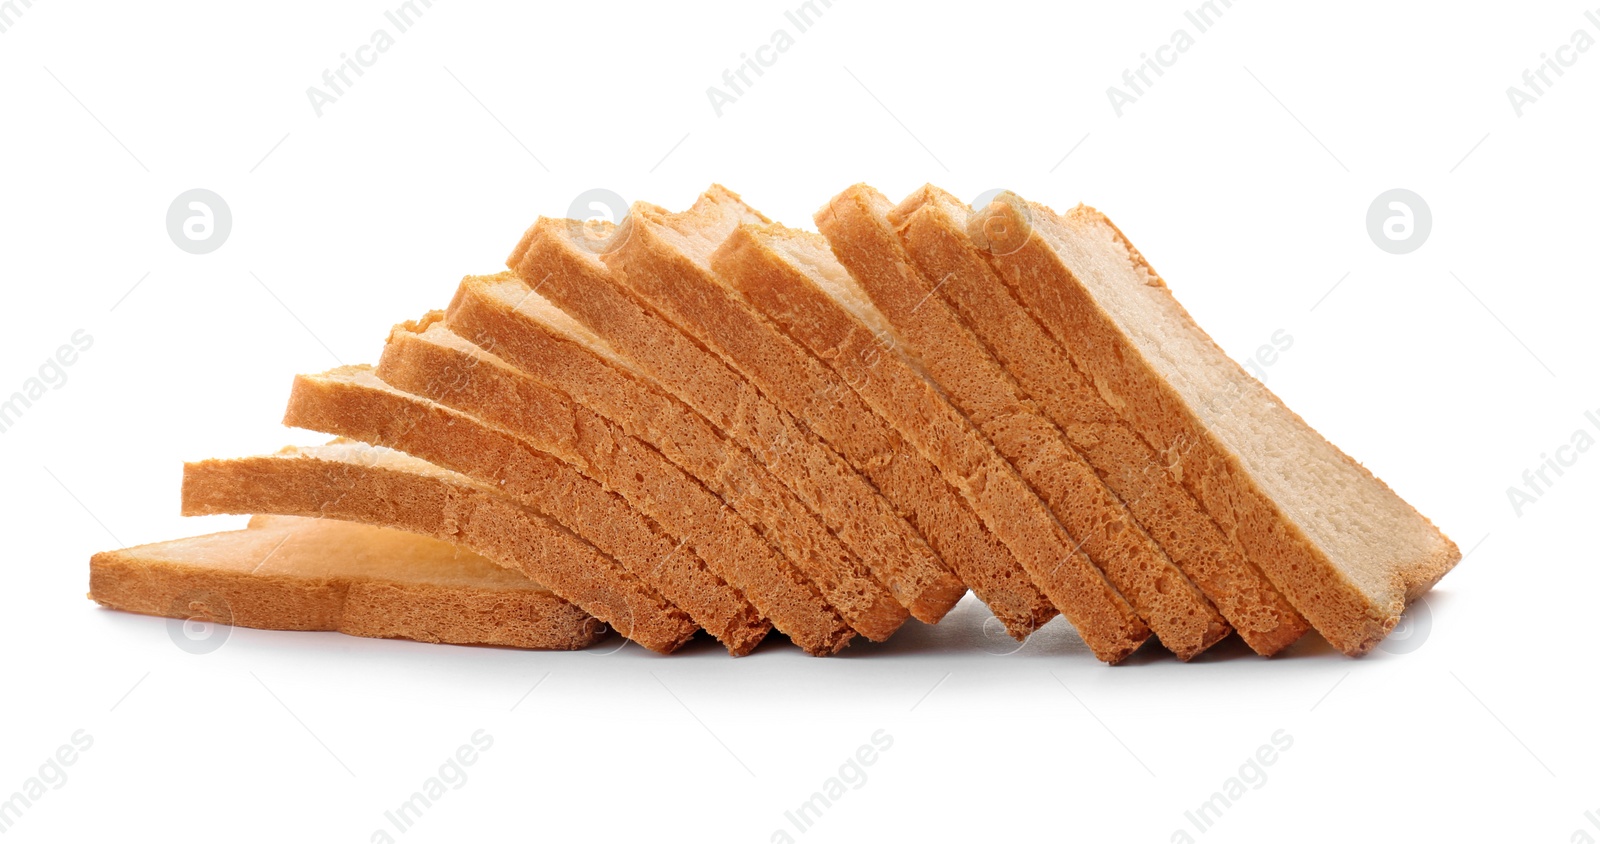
(1244, 174)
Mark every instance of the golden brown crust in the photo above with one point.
(847, 502)
(933, 226)
(219, 578)
(929, 331)
(379, 488)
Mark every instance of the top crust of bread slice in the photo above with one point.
(1346, 550)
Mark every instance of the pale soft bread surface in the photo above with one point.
(846, 502)
(664, 260)
(933, 226)
(354, 402)
(883, 286)
(295, 573)
(1344, 548)
(385, 488)
(435, 363)
(793, 303)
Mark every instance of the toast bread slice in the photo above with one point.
(354, 402)
(293, 573)
(932, 224)
(425, 358)
(576, 281)
(885, 288)
(1344, 548)
(662, 260)
(385, 488)
(783, 289)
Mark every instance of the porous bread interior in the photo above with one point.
(510, 289)
(810, 253)
(1357, 521)
(341, 450)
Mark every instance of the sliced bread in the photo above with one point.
(294, 573)
(1345, 549)
(574, 279)
(883, 290)
(786, 284)
(354, 402)
(430, 361)
(501, 315)
(933, 226)
(662, 259)
(381, 487)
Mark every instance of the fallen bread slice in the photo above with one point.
(430, 361)
(354, 402)
(384, 488)
(293, 573)
(882, 291)
(1344, 548)
(792, 278)
(573, 277)
(663, 259)
(933, 226)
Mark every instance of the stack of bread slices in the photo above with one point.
(708, 421)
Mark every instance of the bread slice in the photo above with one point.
(293, 573)
(575, 280)
(933, 226)
(499, 313)
(353, 402)
(1344, 548)
(645, 254)
(787, 284)
(430, 361)
(384, 488)
(883, 291)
